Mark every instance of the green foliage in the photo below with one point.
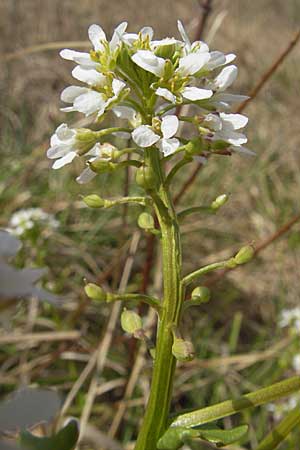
(65, 439)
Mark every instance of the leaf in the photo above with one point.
(65, 439)
(15, 283)
(175, 437)
(223, 437)
(27, 407)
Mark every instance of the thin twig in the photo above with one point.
(43, 47)
(270, 71)
(18, 338)
(260, 247)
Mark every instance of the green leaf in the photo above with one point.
(175, 437)
(223, 437)
(65, 439)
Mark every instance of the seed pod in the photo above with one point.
(146, 178)
(131, 322)
(182, 350)
(200, 294)
(146, 221)
(95, 292)
(94, 201)
(244, 255)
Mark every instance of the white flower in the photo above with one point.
(98, 39)
(188, 46)
(148, 61)
(64, 145)
(144, 136)
(225, 79)
(89, 101)
(98, 152)
(130, 38)
(296, 363)
(224, 128)
(25, 219)
(291, 318)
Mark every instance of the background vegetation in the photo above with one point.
(239, 343)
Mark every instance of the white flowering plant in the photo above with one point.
(144, 83)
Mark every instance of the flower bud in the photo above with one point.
(146, 178)
(94, 201)
(101, 166)
(95, 292)
(244, 255)
(200, 294)
(85, 140)
(219, 201)
(146, 221)
(166, 52)
(182, 350)
(131, 322)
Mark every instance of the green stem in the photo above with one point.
(156, 416)
(204, 270)
(279, 433)
(151, 301)
(229, 407)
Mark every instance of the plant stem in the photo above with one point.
(156, 416)
(229, 407)
(281, 431)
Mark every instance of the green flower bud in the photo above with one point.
(101, 166)
(200, 294)
(166, 51)
(85, 140)
(244, 255)
(182, 350)
(95, 292)
(146, 221)
(194, 147)
(219, 201)
(94, 201)
(146, 178)
(131, 322)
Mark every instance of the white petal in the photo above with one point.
(89, 102)
(194, 93)
(70, 93)
(229, 58)
(58, 151)
(216, 59)
(225, 78)
(117, 36)
(81, 58)
(64, 133)
(147, 31)
(168, 146)
(183, 34)
(164, 42)
(90, 76)
(67, 159)
(232, 137)
(203, 47)
(236, 121)
(192, 63)
(229, 98)
(85, 176)
(165, 93)
(143, 136)
(124, 112)
(148, 61)
(169, 126)
(242, 149)
(213, 122)
(117, 86)
(96, 35)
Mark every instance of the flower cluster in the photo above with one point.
(142, 81)
(290, 318)
(26, 219)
